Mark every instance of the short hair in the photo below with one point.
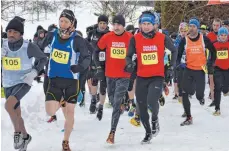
(218, 20)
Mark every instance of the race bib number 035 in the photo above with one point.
(59, 56)
(118, 53)
(149, 58)
(11, 63)
(222, 54)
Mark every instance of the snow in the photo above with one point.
(208, 133)
(83, 14)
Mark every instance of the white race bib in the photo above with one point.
(102, 56)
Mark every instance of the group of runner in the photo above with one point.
(122, 63)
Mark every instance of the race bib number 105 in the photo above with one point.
(59, 56)
(149, 58)
(11, 63)
(222, 54)
(118, 53)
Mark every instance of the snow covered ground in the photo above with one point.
(208, 133)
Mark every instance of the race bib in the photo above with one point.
(102, 56)
(59, 56)
(183, 59)
(118, 53)
(222, 54)
(11, 63)
(149, 58)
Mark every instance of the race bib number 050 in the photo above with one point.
(118, 53)
(222, 54)
(11, 63)
(59, 56)
(149, 58)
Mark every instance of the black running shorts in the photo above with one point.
(62, 87)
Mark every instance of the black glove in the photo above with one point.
(76, 68)
(169, 74)
(100, 73)
(130, 67)
(210, 69)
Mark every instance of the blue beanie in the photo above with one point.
(147, 18)
(223, 30)
(194, 22)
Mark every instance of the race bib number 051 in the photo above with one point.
(59, 56)
(11, 63)
(118, 53)
(222, 54)
(149, 58)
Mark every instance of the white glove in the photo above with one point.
(3, 53)
(29, 77)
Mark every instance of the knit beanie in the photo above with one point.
(119, 19)
(16, 25)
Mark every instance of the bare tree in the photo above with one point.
(112, 8)
(8, 9)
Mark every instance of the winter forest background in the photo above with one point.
(172, 12)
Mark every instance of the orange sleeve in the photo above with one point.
(102, 43)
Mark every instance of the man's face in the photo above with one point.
(102, 25)
(13, 35)
(215, 26)
(118, 28)
(193, 30)
(64, 23)
(147, 27)
(223, 37)
(42, 35)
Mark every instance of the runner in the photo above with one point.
(93, 38)
(221, 70)
(149, 46)
(18, 73)
(83, 74)
(217, 23)
(115, 44)
(183, 30)
(192, 49)
(68, 57)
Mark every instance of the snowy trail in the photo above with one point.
(208, 133)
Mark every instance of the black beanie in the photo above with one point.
(103, 18)
(119, 19)
(20, 19)
(68, 14)
(16, 25)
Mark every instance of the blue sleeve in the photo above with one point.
(177, 41)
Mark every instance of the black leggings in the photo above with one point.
(82, 80)
(179, 80)
(193, 81)
(221, 81)
(148, 92)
